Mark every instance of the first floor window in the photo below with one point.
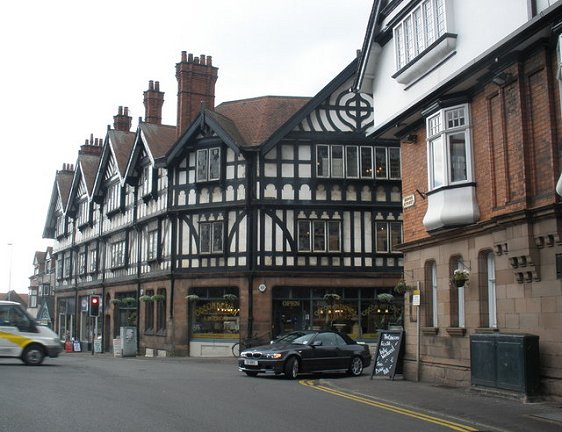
(152, 245)
(211, 237)
(118, 254)
(395, 235)
(381, 233)
(319, 236)
(82, 263)
(67, 266)
(93, 260)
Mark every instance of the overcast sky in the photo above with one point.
(68, 65)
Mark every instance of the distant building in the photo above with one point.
(42, 288)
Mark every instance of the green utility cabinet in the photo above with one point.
(505, 361)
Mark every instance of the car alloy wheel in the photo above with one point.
(292, 368)
(356, 367)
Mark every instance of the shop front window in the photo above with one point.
(358, 312)
(216, 314)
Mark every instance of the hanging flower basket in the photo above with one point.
(231, 298)
(460, 277)
(115, 301)
(129, 300)
(385, 297)
(331, 298)
(158, 298)
(401, 287)
(192, 297)
(145, 298)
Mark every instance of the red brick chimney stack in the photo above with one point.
(92, 146)
(122, 121)
(196, 86)
(153, 101)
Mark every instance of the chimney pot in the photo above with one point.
(189, 58)
(184, 56)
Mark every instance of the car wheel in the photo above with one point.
(252, 374)
(33, 355)
(292, 368)
(356, 367)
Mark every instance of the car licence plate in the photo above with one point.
(248, 362)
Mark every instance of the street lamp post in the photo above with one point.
(10, 245)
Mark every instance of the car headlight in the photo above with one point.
(275, 355)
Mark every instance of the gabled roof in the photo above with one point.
(367, 44)
(243, 124)
(156, 139)
(86, 168)
(256, 119)
(39, 259)
(117, 146)
(61, 190)
(312, 104)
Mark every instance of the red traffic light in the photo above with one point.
(94, 305)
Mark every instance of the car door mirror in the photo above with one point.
(316, 343)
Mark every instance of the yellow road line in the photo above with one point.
(388, 407)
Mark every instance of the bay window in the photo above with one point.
(449, 147)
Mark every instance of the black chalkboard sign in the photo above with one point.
(387, 353)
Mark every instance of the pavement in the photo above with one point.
(482, 409)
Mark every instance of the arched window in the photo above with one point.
(457, 294)
(430, 294)
(491, 289)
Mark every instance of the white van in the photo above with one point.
(23, 338)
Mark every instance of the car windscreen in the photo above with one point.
(304, 339)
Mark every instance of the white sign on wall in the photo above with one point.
(408, 201)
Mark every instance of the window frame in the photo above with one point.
(440, 161)
(118, 250)
(418, 30)
(208, 166)
(152, 245)
(211, 242)
(313, 237)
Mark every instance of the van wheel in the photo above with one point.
(33, 355)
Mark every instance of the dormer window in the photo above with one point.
(208, 164)
(61, 225)
(422, 40)
(146, 180)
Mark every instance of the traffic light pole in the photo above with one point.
(94, 334)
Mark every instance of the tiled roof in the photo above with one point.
(160, 138)
(64, 182)
(258, 118)
(89, 165)
(121, 143)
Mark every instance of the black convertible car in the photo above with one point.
(305, 352)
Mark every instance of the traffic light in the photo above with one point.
(94, 305)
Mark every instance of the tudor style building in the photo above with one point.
(235, 223)
(478, 115)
